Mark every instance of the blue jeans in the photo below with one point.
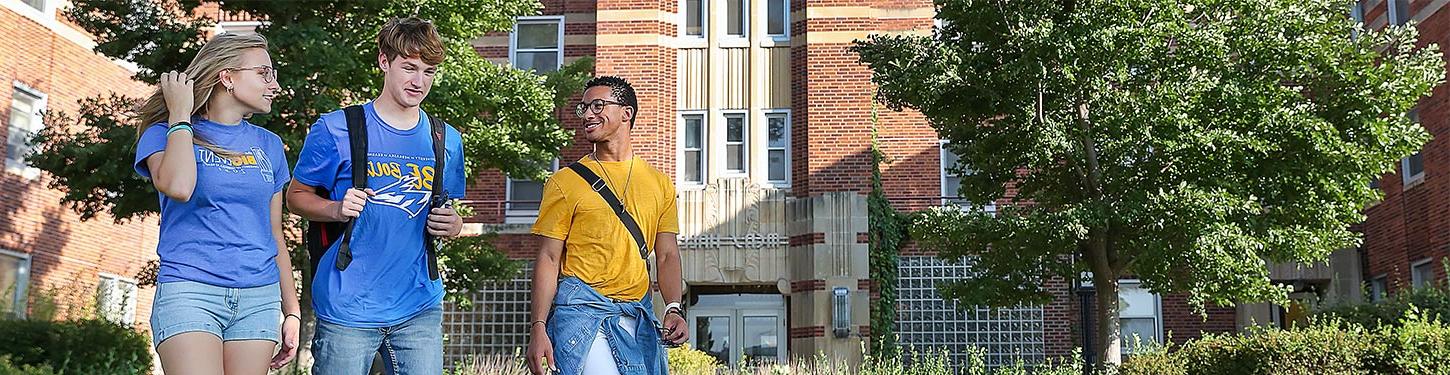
(413, 347)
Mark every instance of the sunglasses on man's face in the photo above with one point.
(596, 106)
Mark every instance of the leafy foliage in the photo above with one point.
(1185, 142)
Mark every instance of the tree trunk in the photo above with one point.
(1105, 285)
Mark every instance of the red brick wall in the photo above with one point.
(1410, 225)
(65, 252)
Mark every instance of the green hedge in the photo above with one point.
(1416, 344)
(76, 347)
(1431, 302)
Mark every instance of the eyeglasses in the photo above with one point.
(268, 73)
(595, 106)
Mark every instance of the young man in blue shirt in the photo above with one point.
(384, 299)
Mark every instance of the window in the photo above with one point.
(1378, 288)
(737, 18)
(777, 147)
(524, 197)
(692, 162)
(537, 44)
(116, 299)
(25, 108)
(925, 319)
(1422, 274)
(39, 5)
(1399, 11)
(1139, 315)
(737, 157)
(1412, 168)
(778, 23)
(695, 21)
(14, 277)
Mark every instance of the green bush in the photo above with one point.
(1431, 302)
(1413, 345)
(87, 347)
(8, 368)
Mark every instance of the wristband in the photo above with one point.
(177, 127)
(291, 315)
(674, 305)
(531, 324)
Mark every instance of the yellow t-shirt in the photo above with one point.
(597, 248)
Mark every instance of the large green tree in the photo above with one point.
(1186, 143)
(325, 53)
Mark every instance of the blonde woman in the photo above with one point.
(225, 295)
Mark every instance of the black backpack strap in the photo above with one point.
(603, 189)
(357, 139)
(440, 195)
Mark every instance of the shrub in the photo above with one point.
(1412, 345)
(7, 368)
(76, 347)
(492, 365)
(686, 360)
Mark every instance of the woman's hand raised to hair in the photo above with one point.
(176, 87)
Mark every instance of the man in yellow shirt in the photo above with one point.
(592, 310)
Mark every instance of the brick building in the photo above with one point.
(45, 249)
(764, 117)
(1405, 235)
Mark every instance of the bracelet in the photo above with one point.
(291, 315)
(531, 324)
(177, 127)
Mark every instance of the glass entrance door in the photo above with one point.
(736, 327)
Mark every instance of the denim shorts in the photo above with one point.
(232, 314)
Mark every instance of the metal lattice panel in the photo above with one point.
(497, 324)
(927, 323)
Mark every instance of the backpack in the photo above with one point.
(321, 235)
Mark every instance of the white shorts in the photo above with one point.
(600, 359)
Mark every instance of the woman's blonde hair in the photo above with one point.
(221, 53)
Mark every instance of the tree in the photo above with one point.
(1185, 143)
(325, 54)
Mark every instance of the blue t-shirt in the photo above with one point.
(387, 282)
(223, 235)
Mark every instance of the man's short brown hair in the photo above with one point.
(411, 37)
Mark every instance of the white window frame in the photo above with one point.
(128, 305)
(695, 41)
(783, 38)
(1412, 180)
(238, 27)
(558, 21)
(1379, 288)
(704, 161)
(777, 113)
(1393, 16)
(46, 10)
(37, 124)
(725, 143)
(1417, 280)
(18, 301)
(735, 41)
(515, 216)
(1157, 314)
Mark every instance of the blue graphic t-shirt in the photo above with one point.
(387, 282)
(223, 235)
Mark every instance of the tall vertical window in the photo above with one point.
(1139, 314)
(1412, 168)
(537, 44)
(14, 277)
(25, 108)
(778, 23)
(695, 20)
(737, 18)
(1422, 274)
(692, 168)
(777, 147)
(524, 196)
(1399, 12)
(116, 299)
(737, 157)
(1378, 288)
